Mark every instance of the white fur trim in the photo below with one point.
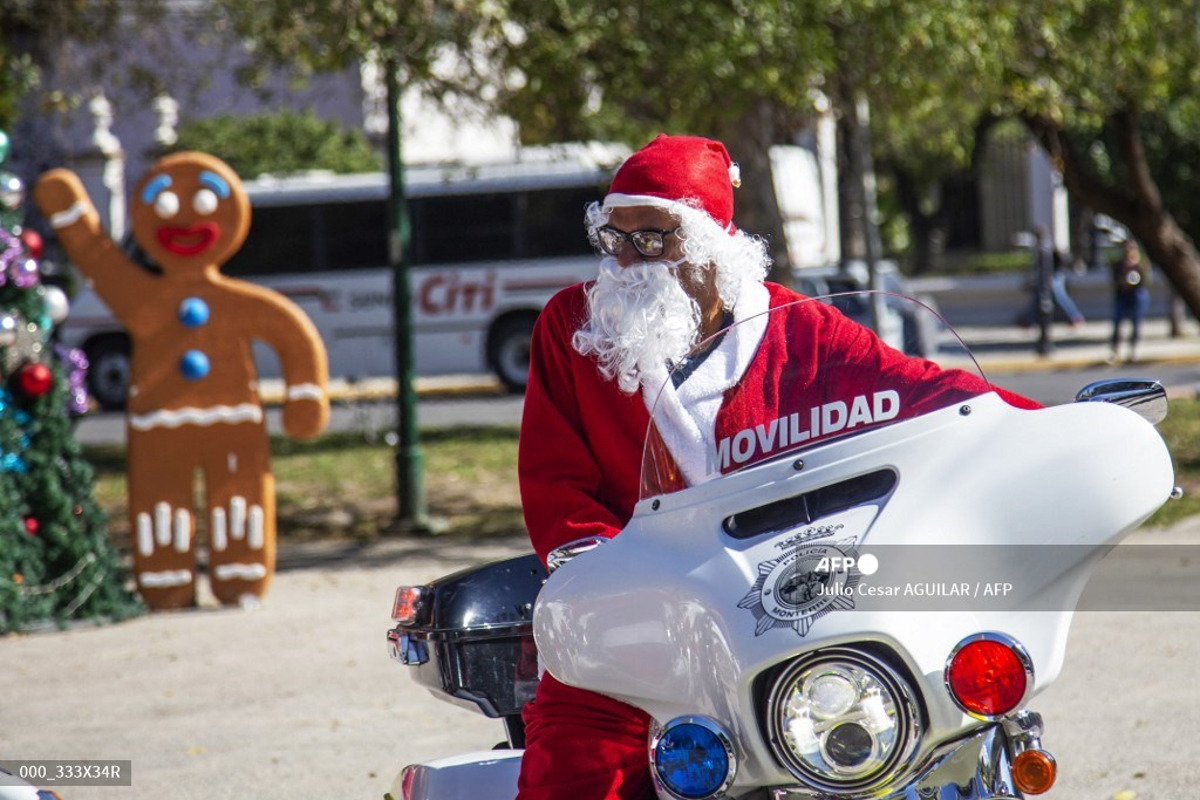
(687, 417)
(619, 200)
(671, 206)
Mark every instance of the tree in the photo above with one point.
(1093, 82)
(425, 44)
(747, 72)
(279, 143)
(742, 72)
(56, 561)
(36, 34)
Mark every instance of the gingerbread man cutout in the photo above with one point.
(193, 398)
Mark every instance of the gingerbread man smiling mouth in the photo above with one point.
(193, 402)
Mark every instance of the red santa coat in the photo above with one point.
(581, 446)
(580, 458)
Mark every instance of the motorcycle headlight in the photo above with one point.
(841, 720)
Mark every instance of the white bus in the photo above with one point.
(490, 245)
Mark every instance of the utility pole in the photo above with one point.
(411, 515)
(863, 170)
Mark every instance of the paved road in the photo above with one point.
(298, 699)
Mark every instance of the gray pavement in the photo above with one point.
(298, 699)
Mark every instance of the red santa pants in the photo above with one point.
(583, 746)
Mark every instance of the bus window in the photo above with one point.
(361, 239)
(554, 224)
(280, 241)
(475, 227)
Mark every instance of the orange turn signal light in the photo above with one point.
(1034, 771)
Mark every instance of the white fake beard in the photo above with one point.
(639, 320)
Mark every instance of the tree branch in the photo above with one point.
(1081, 180)
(1124, 124)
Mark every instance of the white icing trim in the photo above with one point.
(245, 572)
(69, 215)
(178, 417)
(145, 534)
(165, 579)
(162, 524)
(183, 530)
(219, 542)
(256, 537)
(237, 518)
(305, 391)
(687, 417)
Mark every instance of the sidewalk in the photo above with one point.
(998, 348)
(1014, 349)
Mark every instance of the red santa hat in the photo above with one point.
(674, 171)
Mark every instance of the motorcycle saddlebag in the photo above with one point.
(471, 639)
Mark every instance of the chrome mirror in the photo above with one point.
(1146, 397)
(561, 555)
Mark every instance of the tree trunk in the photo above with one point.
(1137, 205)
(756, 209)
(927, 230)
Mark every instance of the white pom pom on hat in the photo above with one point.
(679, 171)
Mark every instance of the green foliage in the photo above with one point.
(1009, 261)
(279, 143)
(65, 569)
(617, 69)
(56, 562)
(1181, 430)
(35, 33)
(412, 36)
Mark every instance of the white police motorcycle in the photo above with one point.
(854, 602)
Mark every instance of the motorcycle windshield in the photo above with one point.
(798, 376)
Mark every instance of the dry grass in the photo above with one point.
(342, 485)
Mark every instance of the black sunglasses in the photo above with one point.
(648, 243)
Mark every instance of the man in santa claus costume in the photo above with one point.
(675, 271)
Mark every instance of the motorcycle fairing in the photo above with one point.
(656, 617)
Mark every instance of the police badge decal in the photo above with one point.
(803, 585)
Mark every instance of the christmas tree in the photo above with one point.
(56, 561)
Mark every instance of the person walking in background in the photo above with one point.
(1131, 297)
(1048, 286)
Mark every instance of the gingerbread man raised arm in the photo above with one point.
(193, 399)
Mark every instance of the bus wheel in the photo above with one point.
(508, 352)
(108, 371)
